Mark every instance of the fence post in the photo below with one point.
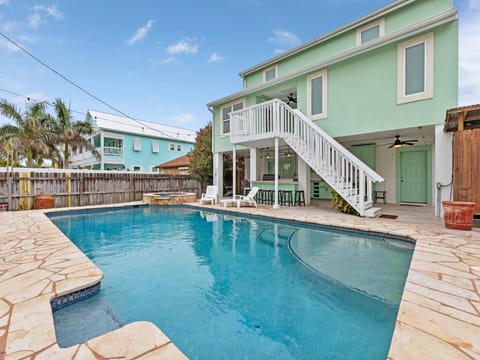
(68, 188)
(131, 188)
(25, 201)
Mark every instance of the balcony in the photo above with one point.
(113, 151)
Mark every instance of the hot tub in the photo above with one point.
(169, 198)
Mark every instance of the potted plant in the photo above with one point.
(458, 214)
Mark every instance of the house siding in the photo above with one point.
(362, 90)
(148, 159)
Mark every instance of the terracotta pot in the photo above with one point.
(43, 202)
(458, 214)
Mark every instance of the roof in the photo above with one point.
(124, 124)
(462, 118)
(352, 25)
(390, 38)
(180, 161)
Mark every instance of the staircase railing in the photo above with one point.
(339, 168)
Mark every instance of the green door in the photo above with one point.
(366, 153)
(414, 172)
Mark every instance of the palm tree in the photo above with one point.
(70, 134)
(30, 133)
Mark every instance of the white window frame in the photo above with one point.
(323, 74)
(428, 40)
(381, 30)
(171, 147)
(155, 147)
(274, 67)
(230, 105)
(137, 144)
(140, 168)
(179, 147)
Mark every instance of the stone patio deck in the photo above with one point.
(439, 315)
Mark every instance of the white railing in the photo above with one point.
(113, 151)
(339, 168)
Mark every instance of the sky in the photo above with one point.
(163, 61)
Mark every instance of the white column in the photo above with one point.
(253, 164)
(102, 151)
(218, 172)
(303, 173)
(234, 171)
(442, 168)
(275, 205)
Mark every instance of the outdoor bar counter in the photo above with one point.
(283, 184)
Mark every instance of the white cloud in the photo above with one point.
(50, 10)
(156, 63)
(469, 55)
(474, 4)
(141, 33)
(284, 38)
(168, 60)
(182, 119)
(188, 46)
(4, 44)
(34, 20)
(215, 58)
(9, 26)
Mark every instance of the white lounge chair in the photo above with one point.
(210, 195)
(239, 200)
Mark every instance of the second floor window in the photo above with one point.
(137, 144)
(415, 69)
(370, 32)
(317, 95)
(225, 113)
(270, 73)
(155, 146)
(171, 147)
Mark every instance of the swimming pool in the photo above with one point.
(222, 286)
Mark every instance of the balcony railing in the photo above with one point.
(112, 151)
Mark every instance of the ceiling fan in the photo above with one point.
(291, 99)
(398, 143)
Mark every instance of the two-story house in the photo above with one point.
(358, 110)
(132, 145)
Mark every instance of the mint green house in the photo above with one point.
(359, 110)
(131, 145)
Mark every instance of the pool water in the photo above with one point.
(221, 286)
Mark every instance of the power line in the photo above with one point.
(76, 85)
(29, 98)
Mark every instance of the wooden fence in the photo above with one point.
(19, 187)
(466, 165)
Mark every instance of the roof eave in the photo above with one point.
(352, 25)
(432, 22)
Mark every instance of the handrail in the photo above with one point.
(342, 170)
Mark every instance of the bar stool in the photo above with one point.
(300, 197)
(270, 196)
(285, 197)
(259, 196)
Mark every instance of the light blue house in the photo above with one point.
(132, 145)
(359, 110)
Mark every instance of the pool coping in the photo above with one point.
(39, 263)
(439, 314)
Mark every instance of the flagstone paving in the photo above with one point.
(439, 315)
(37, 264)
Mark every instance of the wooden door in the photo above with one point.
(413, 176)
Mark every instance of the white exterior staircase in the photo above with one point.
(343, 171)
